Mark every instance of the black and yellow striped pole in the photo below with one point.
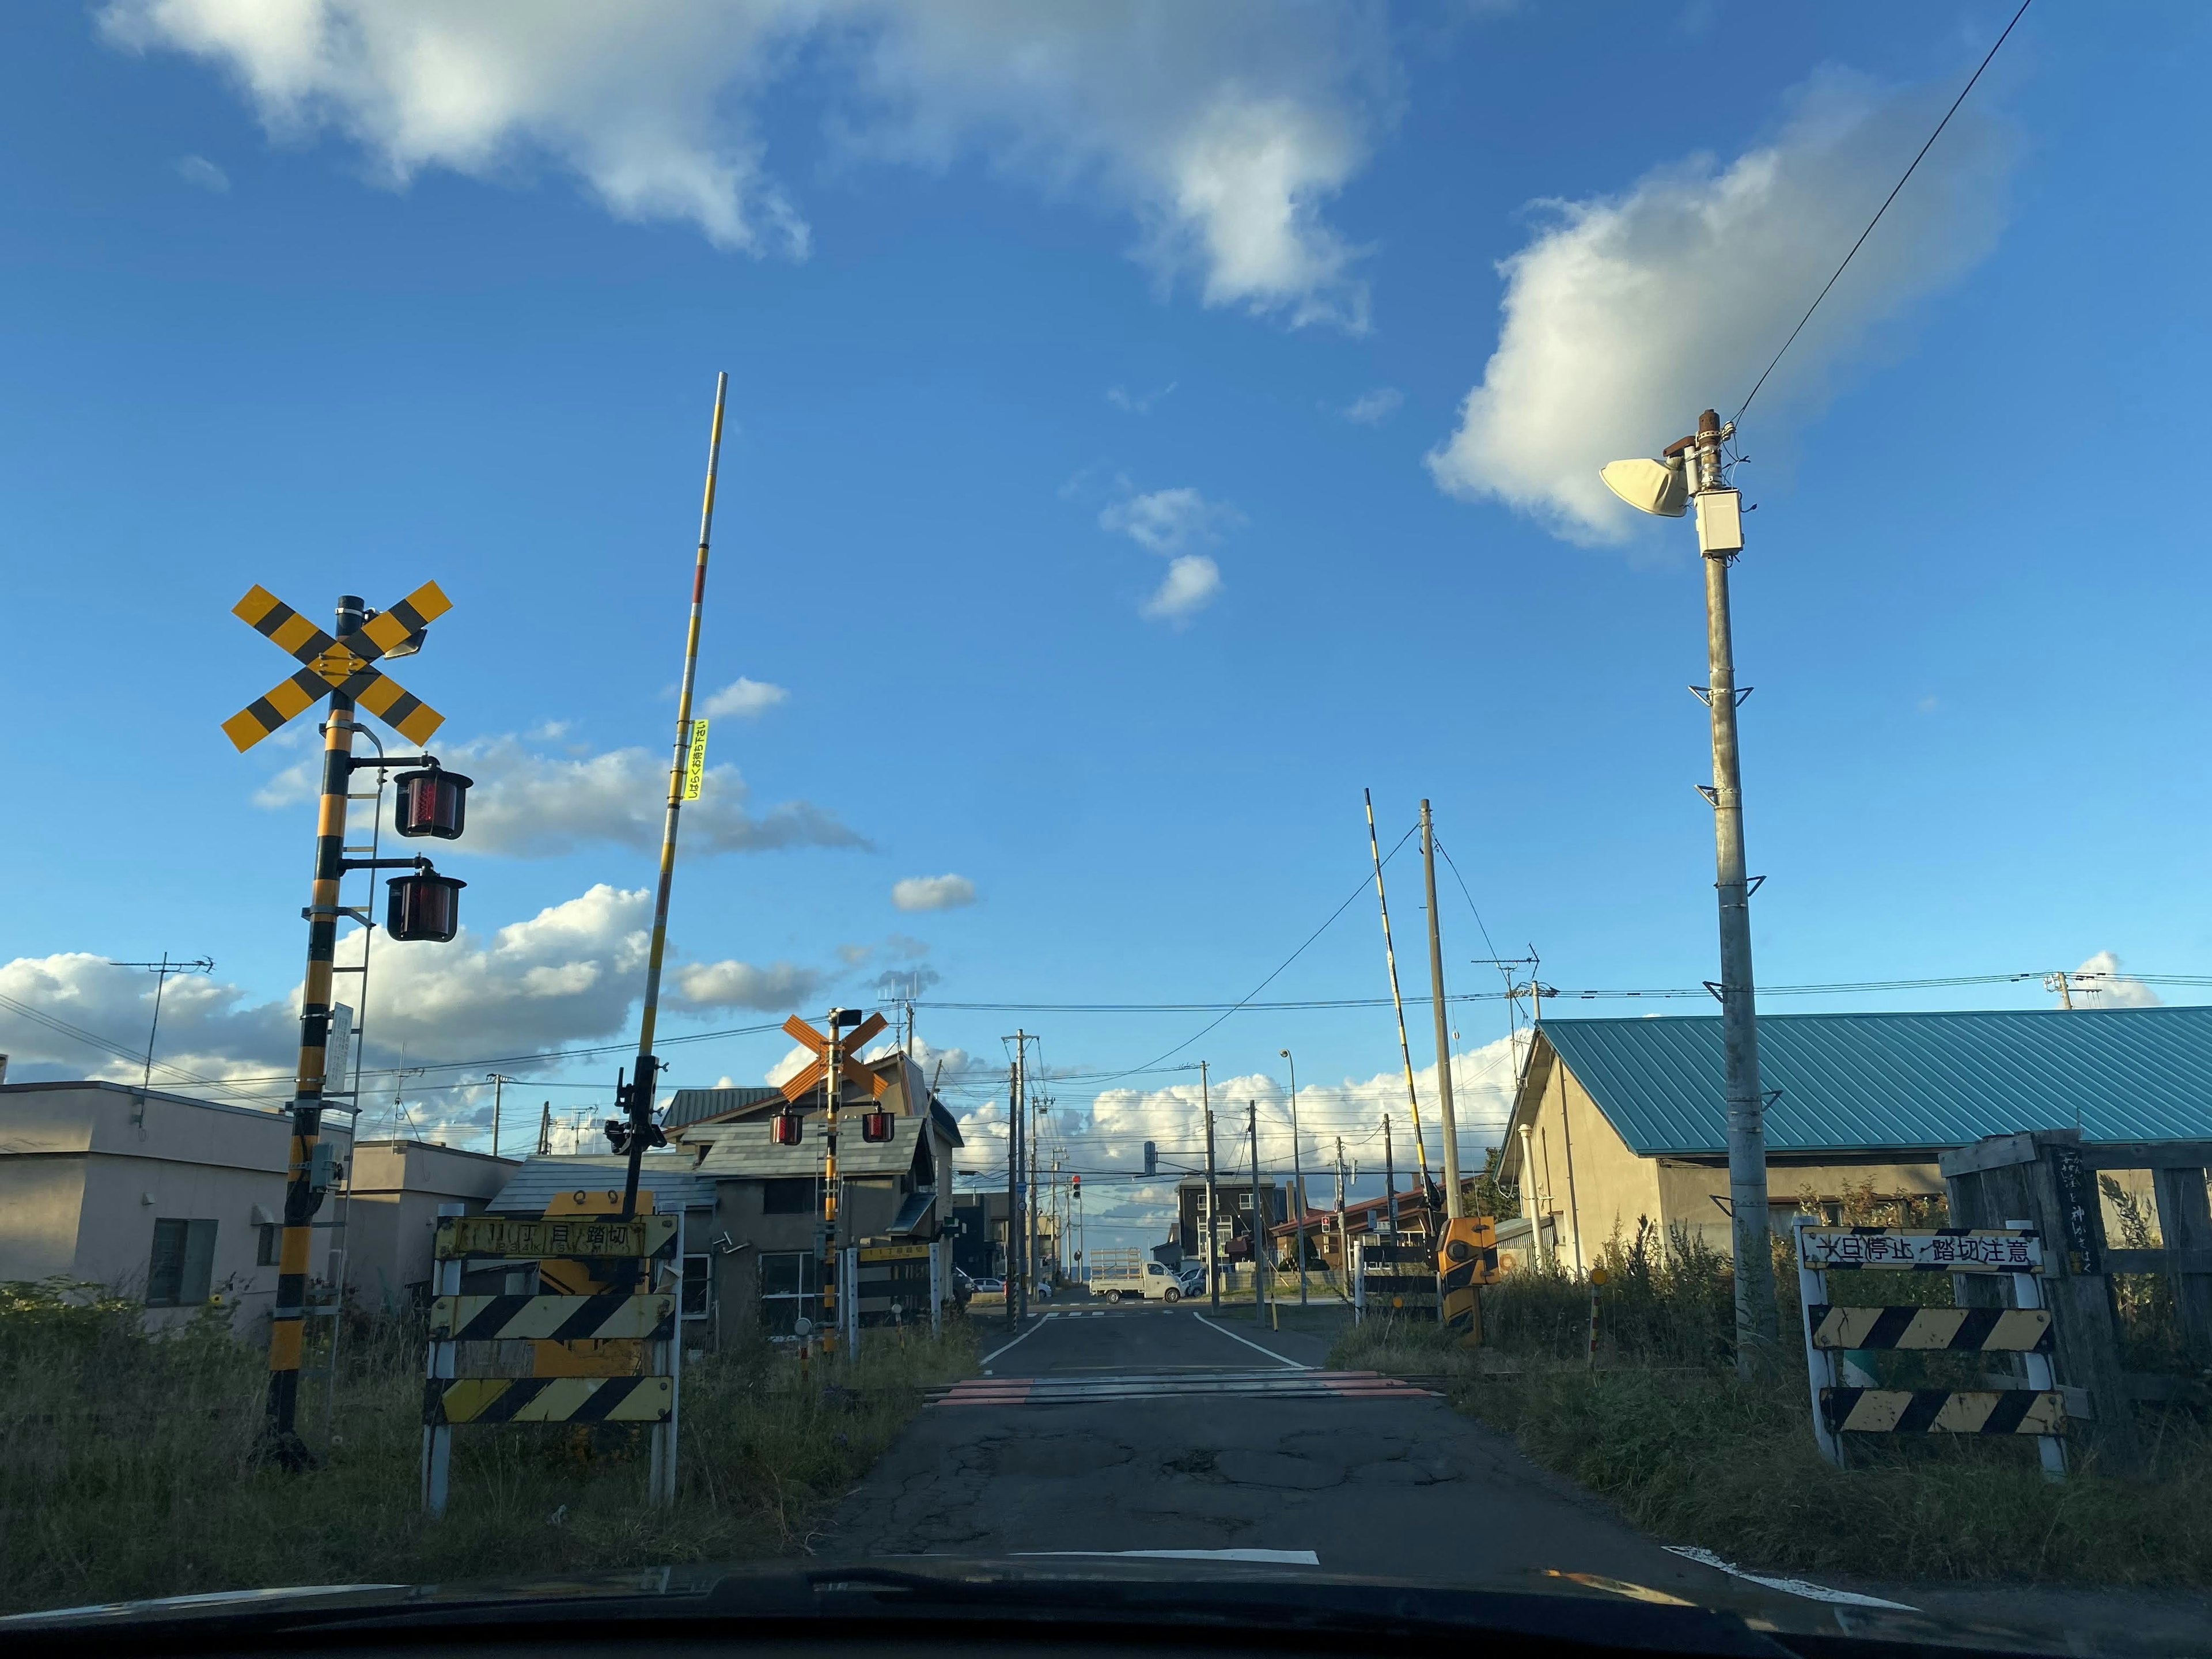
(641, 1088)
(302, 1193)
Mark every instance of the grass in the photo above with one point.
(1662, 1428)
(131, 1464)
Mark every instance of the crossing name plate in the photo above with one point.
(554, 1237)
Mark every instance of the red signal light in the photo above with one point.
(784, 1129)
(876, 1126)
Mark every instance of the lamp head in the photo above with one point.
(1654, 486)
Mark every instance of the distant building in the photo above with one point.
(1620, 1120)
(1232, 1219)
(180, 1202)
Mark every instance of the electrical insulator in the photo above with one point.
(876, 1126)
(783, 1128)
(424, 906)
(431, 803)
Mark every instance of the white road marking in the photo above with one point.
(1023, 1337)
(1278, 1558)
(1787, 1586)
(1254, 1346)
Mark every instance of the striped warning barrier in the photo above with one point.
(1984, 1330)
(549, 1400)
(1944, 1411)
(552, 1318)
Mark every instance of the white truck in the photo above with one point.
(1129, 1275)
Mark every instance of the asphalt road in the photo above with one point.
(1399, 1487)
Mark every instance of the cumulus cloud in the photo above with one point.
(1171, 522)
(1373, 408)
(203, 174)
(946, 892)
(75, 1015)
(1627, 314)
(730, 984)
(744, 698)
(1192, 581)
(1223, 129)
(529, 804)
(2110, 987)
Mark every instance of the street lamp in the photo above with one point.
(1297, 1176)
(1688, 473)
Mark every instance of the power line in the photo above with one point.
(1884, 208)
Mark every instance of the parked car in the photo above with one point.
(988, 1287)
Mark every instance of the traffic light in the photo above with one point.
(1075, 1183)
(1152, 1157)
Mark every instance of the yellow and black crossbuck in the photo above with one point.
(1986, 1330)
(344, 665)
(1944, 1411)
(548, 1400)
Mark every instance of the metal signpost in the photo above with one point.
(1847, 1399)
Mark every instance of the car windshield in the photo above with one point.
(575, 1092)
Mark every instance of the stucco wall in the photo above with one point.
(1687, 1190)
(1586, 1177)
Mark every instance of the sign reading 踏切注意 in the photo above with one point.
(1943, 1250)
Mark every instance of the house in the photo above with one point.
(1619, 1120)
(1233, 1219)
(977, 1228)
(753, 1209)
(180, 1202)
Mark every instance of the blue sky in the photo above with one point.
(1100, 497)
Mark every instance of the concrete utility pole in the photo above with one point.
(1390, 1181)
(1212, 1200)
(1297, 1176)
(498, 1095)
(1013, 1189)
(1029, 1150)
(1258, 1221)
(1455, 1205)
(1343, 1233)
(1720, 539)
(545, 1129)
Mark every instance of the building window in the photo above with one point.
(789, 1292)
(267, 1241)
(183, 1263)
(788, 1195)
(696, 1281)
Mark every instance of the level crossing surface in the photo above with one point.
(1170, 1428)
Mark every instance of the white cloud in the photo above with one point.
(1168, 521)
(1189, 586)
(1131, 402)
(1223, 129)
(744, 698)
(527, 803)
(933, 892)
(209, 1031)
(2111, 988)
(1626, 315)
(728, 984)
(203, 174)
(1373, 408)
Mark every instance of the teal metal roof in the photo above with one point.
(1860, 1082)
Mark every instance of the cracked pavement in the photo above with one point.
(1398, 1488)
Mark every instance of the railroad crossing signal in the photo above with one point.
(344, 666)
(849, 1070)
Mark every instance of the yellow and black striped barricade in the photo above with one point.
(1466, 1260)
(549, 1400)
(1944, 1411)
(1846, 1397)
(1396, 1278)
(627, 1370)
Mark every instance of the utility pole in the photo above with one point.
(1390, 1181)
(1398, 1003)
(545, 1129)
(640, 1098)
(1013, 1189)
(1343, 1233)
(1258, 1220)
(2062, 983)
(1212, 1200)
(1720, 539)
(498, 1095)
(1029, 1147)
(1455, 1205)
(1297, 1174)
